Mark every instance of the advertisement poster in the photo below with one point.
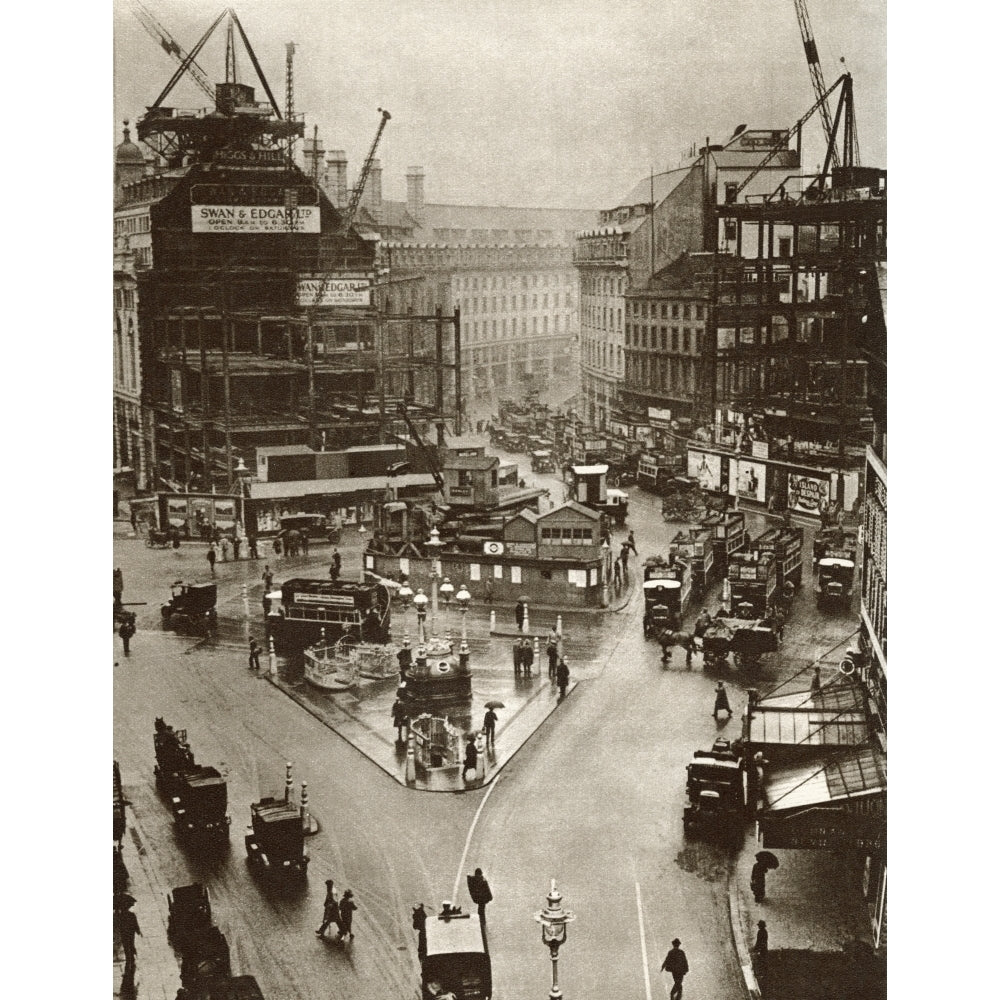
(749, 480)
(342, 290)
(225, 514)
(807, 494)
(707, 469)
(177, 509)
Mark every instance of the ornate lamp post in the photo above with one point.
(405, 594)
(420, 603)
(361, 535)
(434, 543)
(462, 598)
(554, 920)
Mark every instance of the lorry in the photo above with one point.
(198, 795)
(456, 960)
(715, 791)
(695, 546)
(666, 590)
(785, 542)
(834, 584)
(191, 602)
(589, 486)
(276, 841)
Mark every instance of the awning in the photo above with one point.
(336, 487)
(807, 728)
(858, 774)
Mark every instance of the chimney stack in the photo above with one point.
(337, 164)
(415, 192)
(372, 194)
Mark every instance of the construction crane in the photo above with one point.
(816, 74)
(359, 188)
(170, 46)
(289, 97)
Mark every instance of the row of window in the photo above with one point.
(524, 281)
(124, 298)
(491, 331)
(490, 305)
(655, 338)
(602, 285)
(599, 353)
(677, 376)
(443, 235)
(603, 317)
(130, 224)
(677, 310)
(568, 536)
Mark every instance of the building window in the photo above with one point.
(674, 311)
(784, 246)
(687, 340)
(674, 334)
(731, 189)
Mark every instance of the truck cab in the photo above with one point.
(456, 961)
(276, 841)
(834, 580)
(715, 791)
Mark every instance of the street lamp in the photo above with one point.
(361, 535)
(554, 920)
(462, 598)
(434, 543)
(405, 594)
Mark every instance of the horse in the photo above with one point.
(669, 637)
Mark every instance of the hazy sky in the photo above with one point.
(562, 103)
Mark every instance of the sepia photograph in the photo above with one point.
(499, 548)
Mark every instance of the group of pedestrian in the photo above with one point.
(524, 657)
(339, 912)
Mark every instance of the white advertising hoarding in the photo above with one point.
(749, 479)
(342, 290)
(254, 219)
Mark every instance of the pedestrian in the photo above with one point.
(779, 623)
(721, 702)
(760, 946)
(331, 909)
(527, 656)
(676, 964)
(236, 548)
(562, 677)
(471, 756)
(623, 555)
(400, 719)
(517, 657)
(127, 630)
(224, 548)
(817, 683)
(118, 588)
(210, 556)
(335, 561)
(305, 543)
(268, 578)
(405, 659)
(702, 623)
(420, 926)
(520, 610)
(490, 727)
(479, 890)
(128, 927)
(347, 908)
(489, 593)
(616, 573)
(254, 655)
(630, 543)
(252, 546)
(757, 876)
(552, 649)
(134, 521)
(175, 538)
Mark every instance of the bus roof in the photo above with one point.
(461, 934)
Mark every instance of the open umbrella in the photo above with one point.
(495, 704)
(767, 858)
(524, 599)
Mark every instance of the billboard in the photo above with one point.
(254, 219)
(807, 494)
(750, 478)
(336, 290)
(706, 468)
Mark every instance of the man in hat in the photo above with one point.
(420, 926)
(562, 677)
(676, 964)
(127, 630)
(758, 874)
(479, 890)
(347, 908)
(405, 659)
(721, 702)
(527, 656)
(254, 655)
(127, 927)
(760, 946)
(331, 911)
(490, 727)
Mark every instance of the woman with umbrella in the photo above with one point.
(490, 722)
(764, 863)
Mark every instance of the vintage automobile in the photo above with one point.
(190, 601)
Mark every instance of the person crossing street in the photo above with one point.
(676, 964)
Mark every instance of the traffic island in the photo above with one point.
(363, 716)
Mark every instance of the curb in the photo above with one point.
(751, 987)
(320, 717)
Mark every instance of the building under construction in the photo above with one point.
(257, 318)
